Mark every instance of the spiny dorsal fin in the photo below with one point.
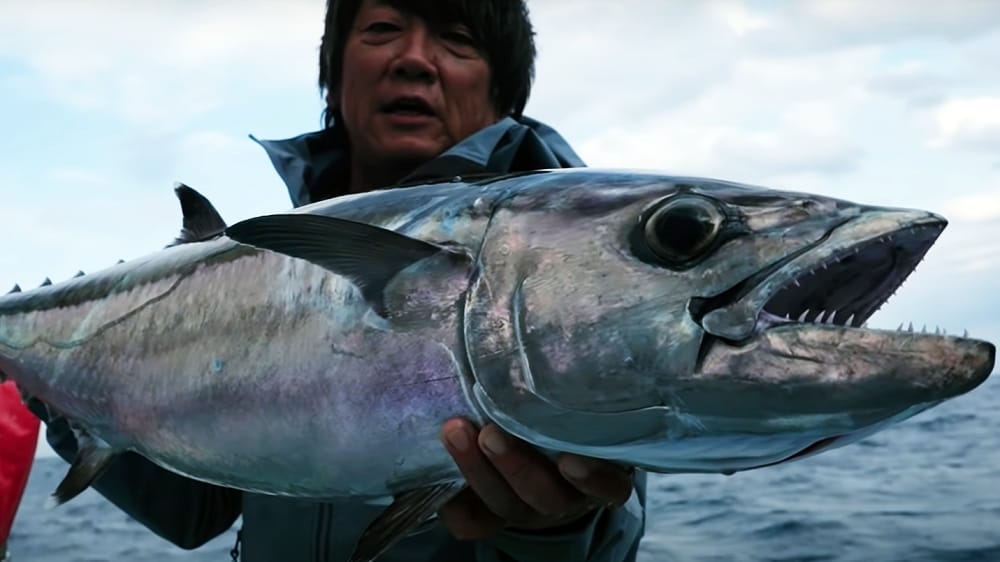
(119, 262)
(406, 513)
(201, 220)
(15, 289)
(79, 274)
(46, 282)
(370, 256)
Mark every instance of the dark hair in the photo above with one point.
(501, 28)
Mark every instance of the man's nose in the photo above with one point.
(416, 60)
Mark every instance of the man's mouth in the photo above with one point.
(408, 106)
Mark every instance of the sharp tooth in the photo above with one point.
(924, 329)
(829, 319)
(965, 333)
(796, 281)
(819, 319)
(850, 320)
(910, 327)
(937, 330)
(788, 316)
(900, 328)
(802, 317)
(824, 266)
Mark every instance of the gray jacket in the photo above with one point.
(189, 513)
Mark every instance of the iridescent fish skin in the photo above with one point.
(646, 319)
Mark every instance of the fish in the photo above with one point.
(670, 323)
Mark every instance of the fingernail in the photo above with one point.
(576, 469)
(459, 440)
(494, 443)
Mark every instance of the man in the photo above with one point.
(415, 90)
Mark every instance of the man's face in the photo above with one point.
(409, 92)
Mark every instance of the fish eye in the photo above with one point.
(683, 229)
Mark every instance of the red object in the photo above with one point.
(18, 439)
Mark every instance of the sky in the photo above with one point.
(105, 104)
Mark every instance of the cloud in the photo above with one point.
(757, 120)
(975, 207)
(915, 81)
(968, 123)
(810, 25)
(159, 65)
(739, 18)
(652, 55)
(729, 153)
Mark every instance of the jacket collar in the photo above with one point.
(314, 165)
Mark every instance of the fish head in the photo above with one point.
(690, 325)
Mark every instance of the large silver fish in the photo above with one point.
(675, 324)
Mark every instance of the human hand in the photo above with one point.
(512, 485)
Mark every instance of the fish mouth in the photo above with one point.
(848, 286)
(794, 334)
(841, 280)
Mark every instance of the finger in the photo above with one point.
(468, 519)
(609, 483)
(535, 479)
(460, 438)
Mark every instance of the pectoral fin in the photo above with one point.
(370, 256)
(92, 459)
(405, 514)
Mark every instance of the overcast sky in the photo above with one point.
(104, 104)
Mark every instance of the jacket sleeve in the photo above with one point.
(183, 511)
(610, 535)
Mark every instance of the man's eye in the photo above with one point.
(459, 37)
(382, 27)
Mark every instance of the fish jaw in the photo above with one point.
(796, 390)
(815, 370)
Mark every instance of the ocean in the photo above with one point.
(925, 490)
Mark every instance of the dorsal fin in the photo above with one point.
(46, 282)
(16, 289)
(119, 262)
(79, 274)
(201, 220)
